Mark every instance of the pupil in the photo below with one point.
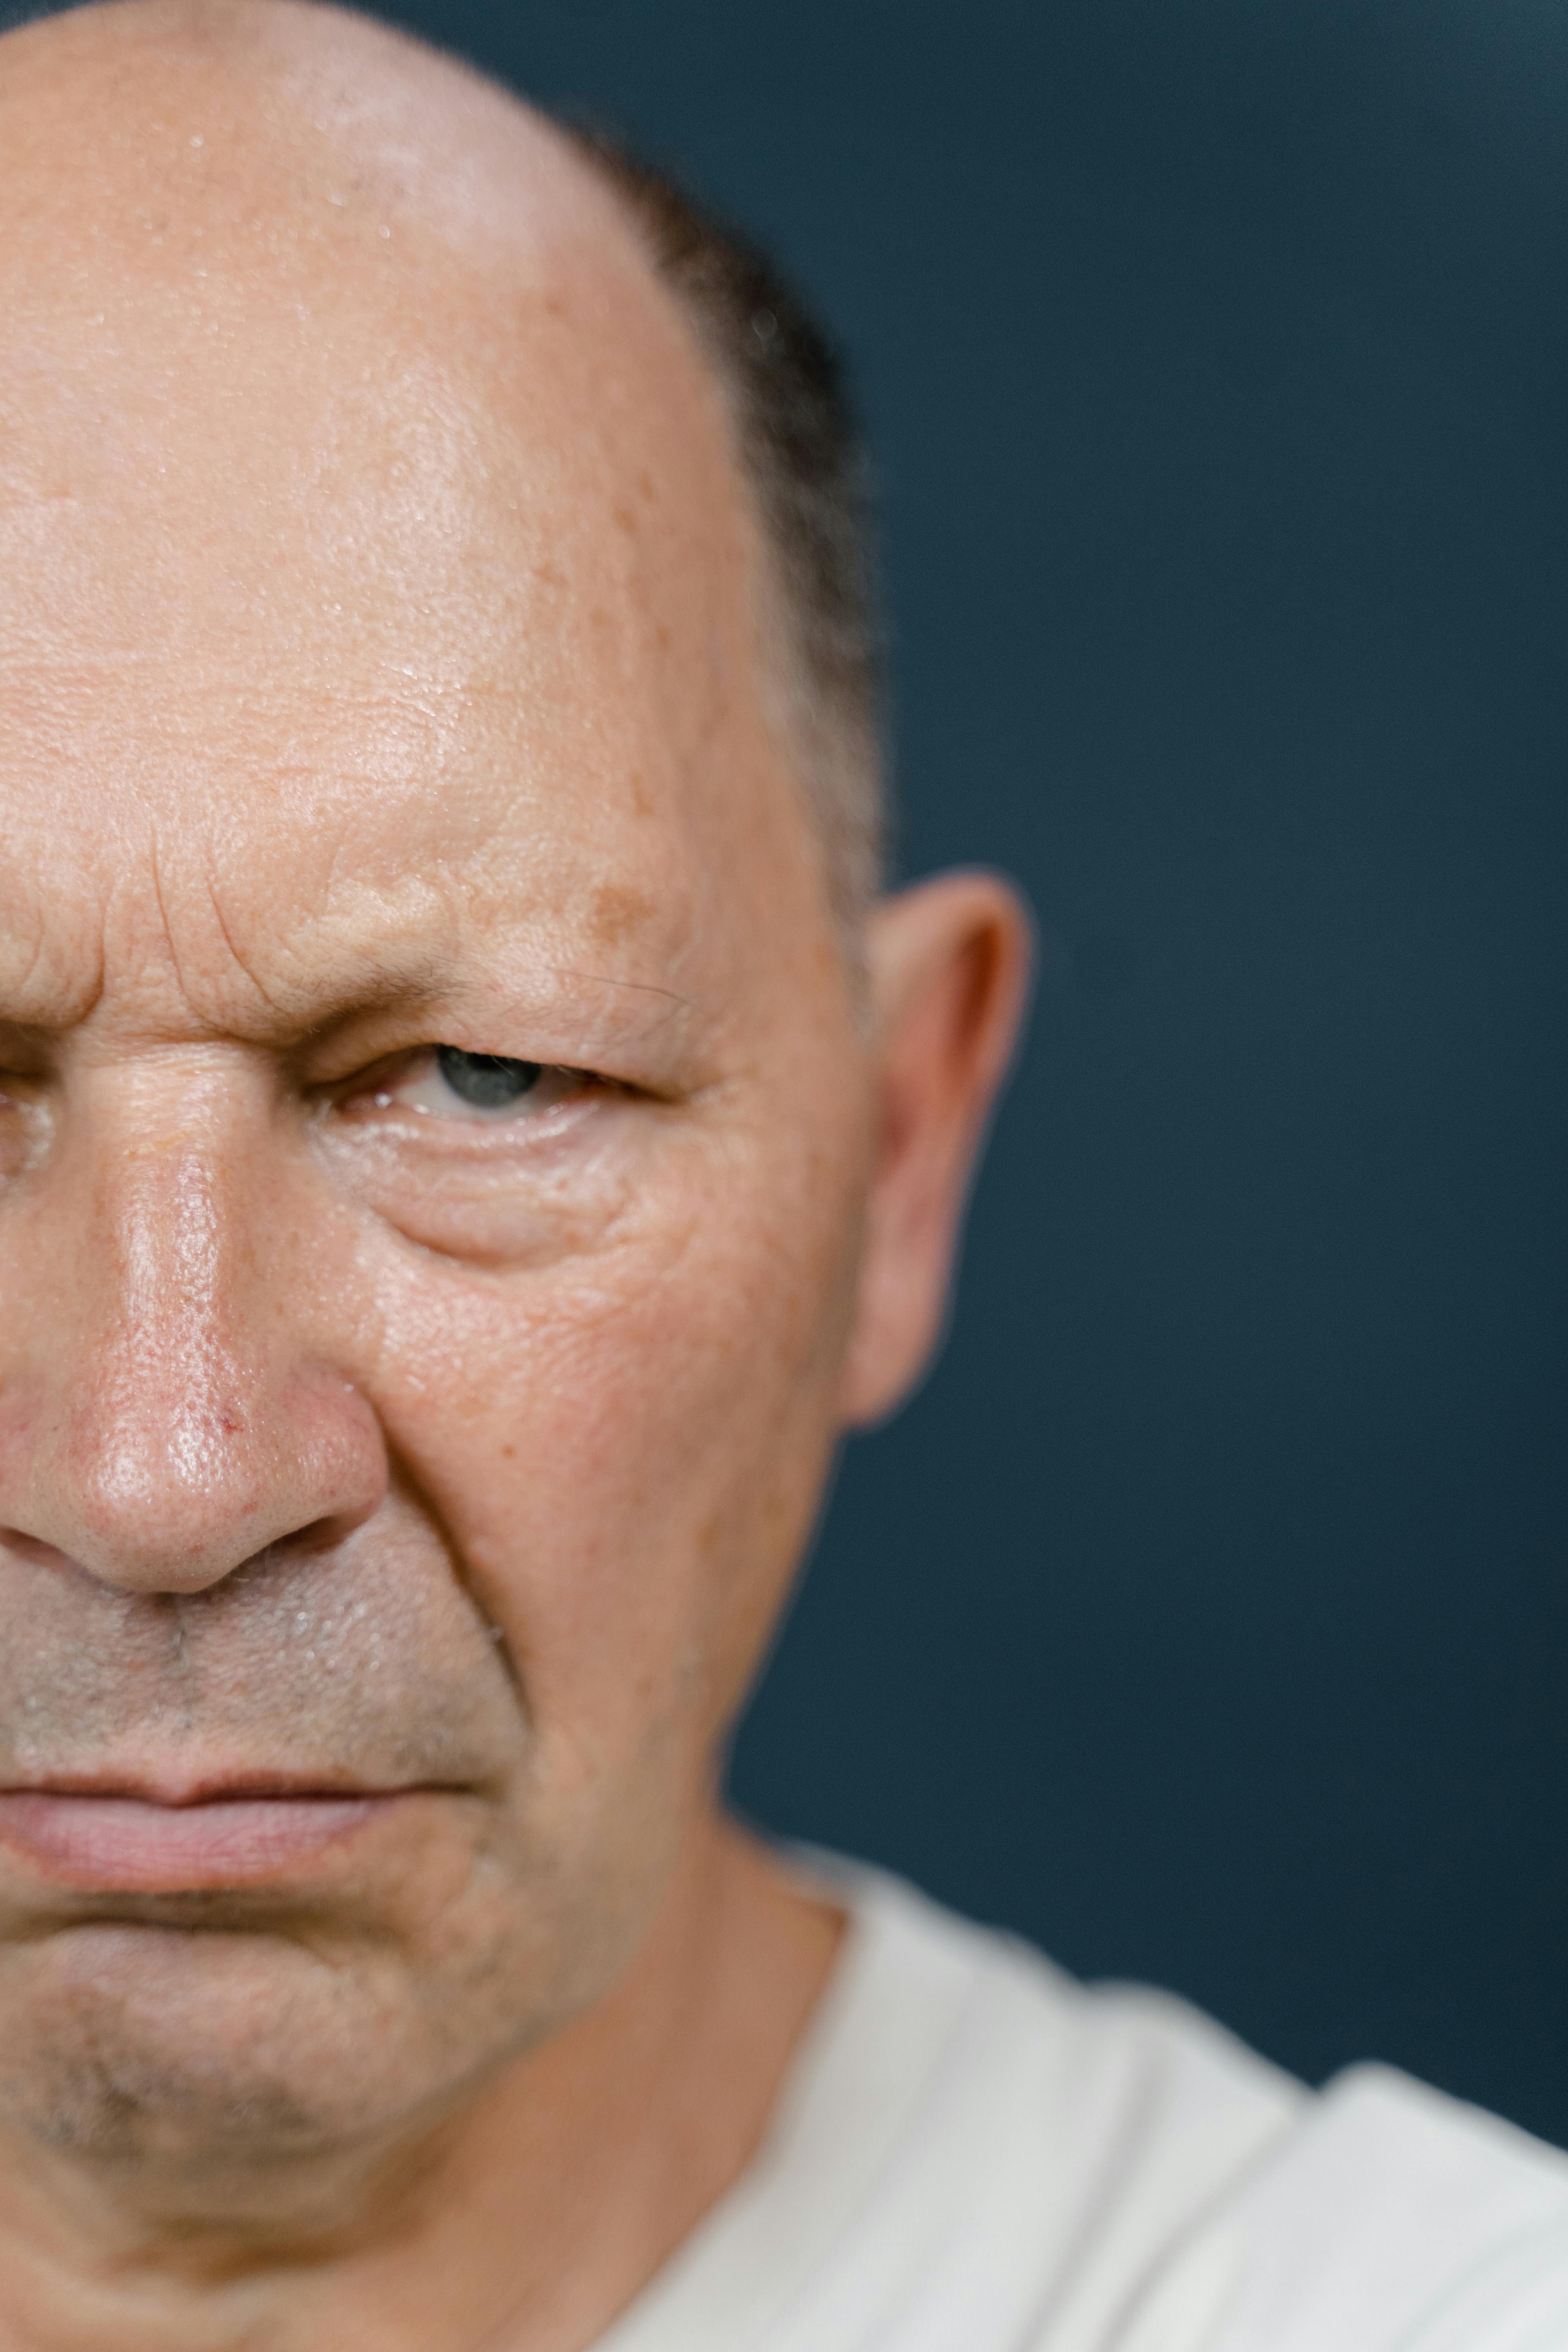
(487, 1081)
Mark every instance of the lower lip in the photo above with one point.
(127, 1845)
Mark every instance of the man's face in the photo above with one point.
(380, 674)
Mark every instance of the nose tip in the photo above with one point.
(175, 1499)
(172, 1399)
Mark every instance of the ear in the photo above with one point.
(949, 967)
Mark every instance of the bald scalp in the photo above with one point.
(257, 139)
(298, 107)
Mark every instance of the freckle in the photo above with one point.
(646, 486)
(642, 799)
(550, 574)
(617, 911)
(707, 1535)
(556, 305)
(661, 638)
(624, 515)
(599, 618)
(508, 1451)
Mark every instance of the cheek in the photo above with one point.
(627, 1450)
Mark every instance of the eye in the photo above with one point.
(449, 1084)
(487, 1081)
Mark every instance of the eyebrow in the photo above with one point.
(424, 991)
(306, 1002)
(368, 951)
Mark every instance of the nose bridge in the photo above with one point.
(182, 1412)
(169, 1398)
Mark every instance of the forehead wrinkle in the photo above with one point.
(233, 912)
(361, 948)
(382, 949)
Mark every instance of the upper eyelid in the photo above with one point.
(363, 1076)
(420, 1059)
(396, 1057)
(23, 1054)
(333, 1072)
(641, 1038)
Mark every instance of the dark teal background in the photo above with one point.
(1206, 1617)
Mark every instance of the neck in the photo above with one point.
(524, 2224)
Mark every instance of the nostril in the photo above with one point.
(34, 1550)
(321, 1535)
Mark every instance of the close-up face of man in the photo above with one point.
(461, 1162)
(478, 1131)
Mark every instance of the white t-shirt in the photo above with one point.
(974, 2154)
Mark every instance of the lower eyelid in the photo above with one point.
(557, 1086)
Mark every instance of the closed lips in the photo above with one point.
(114, 1842)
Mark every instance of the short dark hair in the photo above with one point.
(805, 464)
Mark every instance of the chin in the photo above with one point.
(198, 2053)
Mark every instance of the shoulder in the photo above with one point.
(1149, 2185)
(1039, 2142)
(971, 2149)
(1388, 2218)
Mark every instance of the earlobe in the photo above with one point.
(950, 964)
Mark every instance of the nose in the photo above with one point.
(172, 1402)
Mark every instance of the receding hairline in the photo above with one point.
(482, 167)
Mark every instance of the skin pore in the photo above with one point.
(397, 1489)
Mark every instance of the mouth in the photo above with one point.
(127, 1841)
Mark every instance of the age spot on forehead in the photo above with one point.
(619, 912)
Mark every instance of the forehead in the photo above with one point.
(326, 540)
